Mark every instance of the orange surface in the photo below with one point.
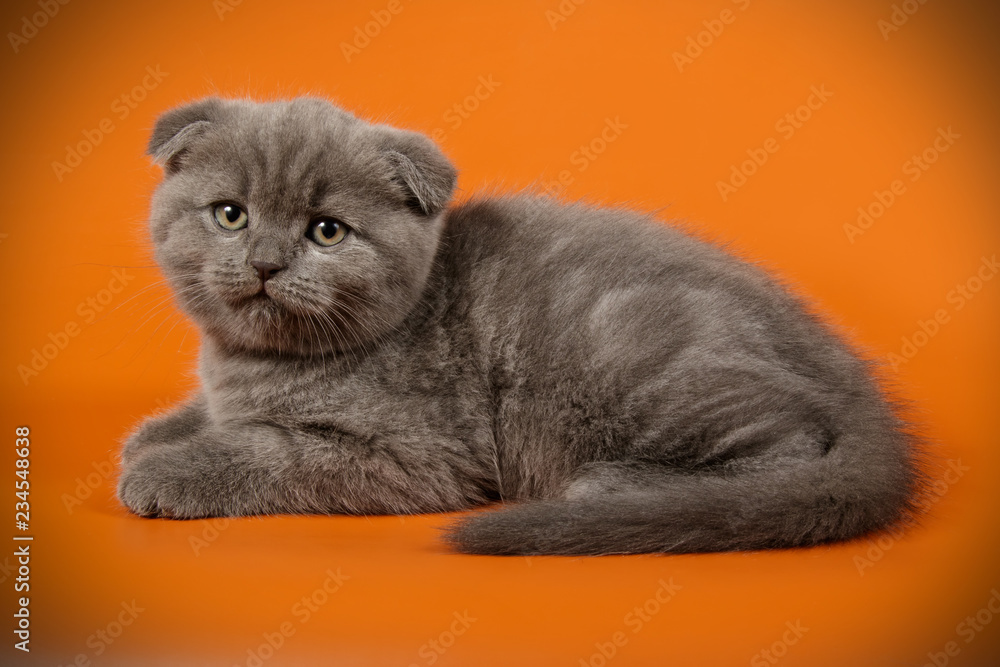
(111, 589)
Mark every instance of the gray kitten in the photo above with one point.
(367, 350)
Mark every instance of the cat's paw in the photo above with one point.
(166, 482)
(174, 428)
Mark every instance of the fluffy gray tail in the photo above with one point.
(847, 493)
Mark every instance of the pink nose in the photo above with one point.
(266, 270)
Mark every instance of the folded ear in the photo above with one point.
(421, 169)
(178, 128)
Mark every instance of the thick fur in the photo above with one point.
(619, 386)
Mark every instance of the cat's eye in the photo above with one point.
(230, 216)
(326, 231)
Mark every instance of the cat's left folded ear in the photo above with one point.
(177, 128)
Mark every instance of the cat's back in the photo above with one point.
(540, 233)
(572, 292)
(532, 260)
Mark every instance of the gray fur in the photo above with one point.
(619, 386)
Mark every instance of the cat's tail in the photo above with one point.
(620, 508)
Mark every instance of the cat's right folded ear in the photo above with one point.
(421, 171)
(178, 128)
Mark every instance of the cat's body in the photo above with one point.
(630, 388)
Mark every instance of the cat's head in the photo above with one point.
(293, 226)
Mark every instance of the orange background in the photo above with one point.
(557, 83)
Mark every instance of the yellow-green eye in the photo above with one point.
(230, 216)
(326, 231)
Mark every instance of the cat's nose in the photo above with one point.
(266, 270)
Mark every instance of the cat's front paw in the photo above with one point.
(165, 482)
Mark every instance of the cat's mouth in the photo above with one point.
(261, 302)
(272, 309)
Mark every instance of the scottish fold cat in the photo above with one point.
(606, 382)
